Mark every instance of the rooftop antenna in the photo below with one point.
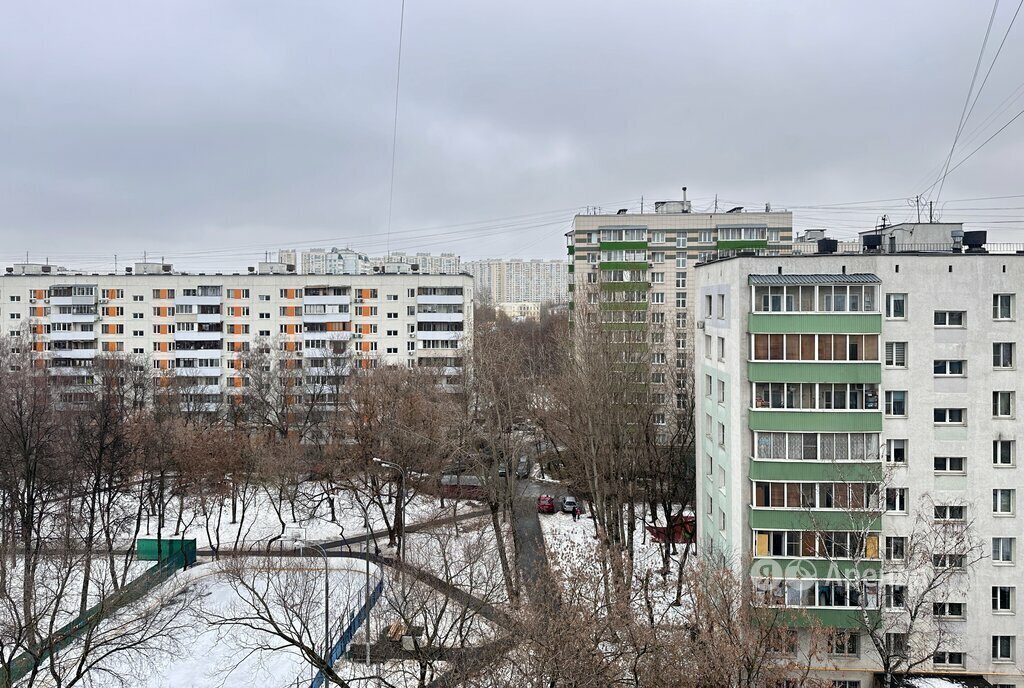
(716, 203)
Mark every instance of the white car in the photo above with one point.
(569, 504)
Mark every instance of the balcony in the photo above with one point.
(326, 300)
(439, 335)
(198, 300)
(74, 353)
(198, 336)
(429, 299)
(197, 372)
(72, 336)
(73, 317)
(55, 301)
(440, 317)
(326, 317)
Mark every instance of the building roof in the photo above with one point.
(775, 280)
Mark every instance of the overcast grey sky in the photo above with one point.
(209, 132)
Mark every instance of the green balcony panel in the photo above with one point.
(572, 269)
(815, 421)
(827, 618)
(814, 519)
(623, 245)
(835, 471)
(624, 306)
(623, 265)
(813, 371)
(742, 244)
(625, 286)
(624, 326)
(570, 250)
(770, 567)
(814, 323)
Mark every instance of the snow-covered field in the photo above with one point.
(571, 547)
(206, 654)
(267, 517)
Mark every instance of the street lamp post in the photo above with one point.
(401, 497)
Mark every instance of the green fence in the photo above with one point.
(152, 577)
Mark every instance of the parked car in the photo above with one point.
(523, 468)
(569, 504)
(545, 504)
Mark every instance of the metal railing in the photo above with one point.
(355, 620)
(857, 248)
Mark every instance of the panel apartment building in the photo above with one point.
(853, 409)
(201, 325)
(635, 268)
(501, 281)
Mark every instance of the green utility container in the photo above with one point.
(146, 550)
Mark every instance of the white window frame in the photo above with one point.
(1004, 501)
(998, 355)
(1003, 404)
(1003, 306)
(890, 403)
(942, 319)
(1004, 550)
(896, 354)
(891, 448)
(890, 302)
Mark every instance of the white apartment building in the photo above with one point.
(320, 261)
(200, 325)
(637, 266)
(399, 261)
(850, 405)
(501, 281)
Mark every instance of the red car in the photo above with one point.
(545, 504)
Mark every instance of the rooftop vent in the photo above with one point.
(975, 241)
(127, 271)
(734, 210)
(622, 211)
(827, 246)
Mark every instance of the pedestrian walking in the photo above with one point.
(576, 513)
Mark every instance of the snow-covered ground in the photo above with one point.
(572, 553)
(207, 655)
(266, 517)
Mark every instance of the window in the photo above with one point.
(949, 464)
(948, 561)
(392, 297)
(844, 643)
(948, 416)
(949, 512)
(721, 435)
(138, 333)
(1002, 550)
(392, 316)
(138, 297)
(894, 597)
(1002, 355)
(895, 548)
(944, 367)
(896, 306)
(721, 348)
(705, 236)
(949, 318)
(657, 237)
(721, 306)
(15, 298)
(896, 499)
(846, 683)
(707, 346)
(1003, 501)
(896, 452)
(657, 297)
(392, 350)
(896, 644)
(896, 354)
(657, 278)
(896, 403)
(708, 424)
(680, 240)
(1002, 648)
(721, 391)
(708, 385)
(680, 298)
(1002, 404)
(945, 658)
(657, 256)
(1003, 599)
(1002, 306)
(264, 297)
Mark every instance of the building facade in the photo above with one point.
(635, 269)
(399, 261)
(201, 325)
(500, 281)
(855, 408)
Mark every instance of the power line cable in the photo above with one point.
(394, 131)
(967, 101)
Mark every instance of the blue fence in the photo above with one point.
(350, 631)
